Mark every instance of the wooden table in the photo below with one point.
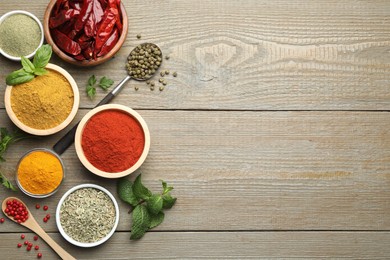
(275, 134)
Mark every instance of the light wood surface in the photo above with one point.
(275, 134)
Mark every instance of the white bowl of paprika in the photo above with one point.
(112, 141)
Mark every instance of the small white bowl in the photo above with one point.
(71, 240)
(6, 15)
(79, 133)
(43, 132)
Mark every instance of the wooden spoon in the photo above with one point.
(32, 224)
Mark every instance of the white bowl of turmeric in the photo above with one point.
(39, 173)
(44, 105)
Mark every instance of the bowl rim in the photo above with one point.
(62, 231)
(80, 152)
(53, 130)
(10, 13)
(39, 196)
(85, 63)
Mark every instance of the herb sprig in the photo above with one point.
(105, 83)
(147, 206)
(31, 69)
(6, 140)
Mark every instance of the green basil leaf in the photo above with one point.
(19, 77)
(42, 56)
(40, 71)
(27, 65)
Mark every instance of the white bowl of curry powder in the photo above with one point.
(45, 105)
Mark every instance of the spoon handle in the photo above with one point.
(58, 249)
(68, 139)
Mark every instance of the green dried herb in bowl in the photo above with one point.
(87, 215)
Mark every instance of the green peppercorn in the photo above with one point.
(174, 74)
(161, 88)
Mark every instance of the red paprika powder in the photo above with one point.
(112, 141)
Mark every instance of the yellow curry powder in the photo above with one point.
(40, 172)
(43, 103)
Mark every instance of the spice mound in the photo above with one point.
(87, 215)
(112, 141)
(20, 35)
(43, 103)
(40, 172)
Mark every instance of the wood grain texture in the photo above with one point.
(254, 55)
(256, 170)
(220, 245)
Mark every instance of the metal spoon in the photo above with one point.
(31, 224)
(68, 138)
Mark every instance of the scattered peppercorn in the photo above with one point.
(19, 245)
(151, 88)
(36, 247)
(39, 255)
(35, 238)
(2, 220)
(37, 206)
(136, 87)
(152, 83)
(167, 57)
(161, 88)
(174, 74)
(30, 244)
(28, 248)
(45, 208)
(22, 236)
(167, 72)
(45, 219)
(161, 80)
(162, 73)
(138, 36)
(26, 243)
(164, 83)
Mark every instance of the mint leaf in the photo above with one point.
(125, 191)
(156, 220)
(105, 83)
(42, 56)
(40, 71)
(155, 204)
(168, 201)
(18, 77)
(140, 191)
(141, 222)
(166, 189)
(27, 65)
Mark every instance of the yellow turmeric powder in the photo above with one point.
(43, 103)
(40, 172)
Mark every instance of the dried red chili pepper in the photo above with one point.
(62, 17)
(75, 5)
(116, 4)
(88, 51)
(59, 5)
(84, 14)
(106, 27)
(65, 43)
(94, 18)
(109, 44)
